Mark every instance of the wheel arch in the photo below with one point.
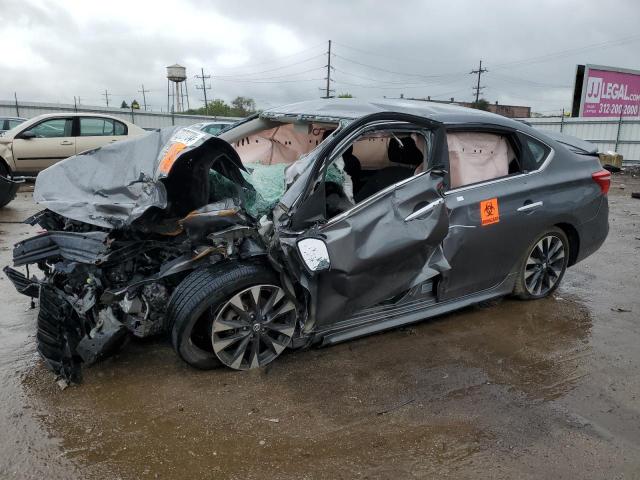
(5, 164)
(574, 241)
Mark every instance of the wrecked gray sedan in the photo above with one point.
(308, 224)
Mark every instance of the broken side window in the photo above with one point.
(372, 162)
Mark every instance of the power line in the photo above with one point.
(389, 57)
(106, 96)
(271, 69)
(283, 75)
(532, 83)
(479, 72)
(408, 74)
(274, 81)
(275, 60)
(571, 51)
(144, 97)
(328, 89)
(204, 89)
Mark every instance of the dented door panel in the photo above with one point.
(380, 251)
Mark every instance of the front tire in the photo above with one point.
(7, 192)
(543, 266)
(235, 315)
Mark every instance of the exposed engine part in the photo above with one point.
(144, 312)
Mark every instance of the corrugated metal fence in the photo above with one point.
(618, 134)
(139, 117)
(621, 135)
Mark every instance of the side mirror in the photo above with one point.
(27, 135)
(314, 253)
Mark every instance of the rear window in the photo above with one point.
(99, 127)
(120, 128)
(537, 153)
(96, 127)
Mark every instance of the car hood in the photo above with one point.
(115, 185)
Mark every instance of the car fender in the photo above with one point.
(6, 156)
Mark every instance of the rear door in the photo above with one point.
(94, 132)
(53, 142)
(493, 221)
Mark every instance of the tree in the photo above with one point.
(219, 107)
(481, 104)
(135, 105)
(124, 104)
(242, 106)
(345, 95)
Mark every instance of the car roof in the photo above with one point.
(76, 114)
(335, 109)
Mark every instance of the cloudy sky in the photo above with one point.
(275, 51)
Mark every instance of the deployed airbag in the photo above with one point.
(475, 157)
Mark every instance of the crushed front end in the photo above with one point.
(107, 268)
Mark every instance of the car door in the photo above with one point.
(383, 246)
(491, 222)
(51, 142)
(94, 132)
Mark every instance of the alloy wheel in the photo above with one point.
(544, 266)
(253, 327)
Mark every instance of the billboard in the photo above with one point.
(606, 92)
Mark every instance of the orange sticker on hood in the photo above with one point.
(170, 157)
(489, 211)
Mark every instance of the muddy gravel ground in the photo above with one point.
(543, 389)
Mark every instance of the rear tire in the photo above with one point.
(197, 302)
(543, 265)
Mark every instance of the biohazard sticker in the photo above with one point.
(489, 211)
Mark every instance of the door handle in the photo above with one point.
(424, 210)
(114, 139)
(66, 142)
(529, 206)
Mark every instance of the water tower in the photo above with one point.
(177, 75)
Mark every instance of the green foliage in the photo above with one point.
(345, 95)
(135, 105)
(481, 104)
(240, 107)
(124, 104)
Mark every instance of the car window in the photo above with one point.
(120, 128)
(476, 157)
(54, 128)
(537, 153)
(14, 123)
(369, 163)
(212, 129)
(96, 127)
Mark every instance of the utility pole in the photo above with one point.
(144, 98)
(328, 90)
(204, 89)
(106, 96)
(479, 72)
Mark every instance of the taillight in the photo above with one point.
(603, 179)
